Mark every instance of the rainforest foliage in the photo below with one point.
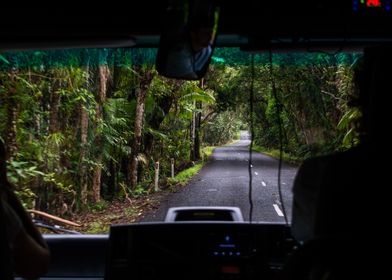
(86, 126)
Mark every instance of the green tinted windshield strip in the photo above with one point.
(124, 57)
(234, 56)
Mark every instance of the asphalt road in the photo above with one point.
(224, 181)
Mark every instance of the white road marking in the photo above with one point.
(278, 211)
(212, 190)
(263, 183)
(256, 173)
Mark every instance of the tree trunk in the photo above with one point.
(13, 110)
(83, 120)
(138, 126)
(83, 124)
(54, 163)
(100, 98)
(197, 130)
(112, 86)
(112, 180)
(193, 135)
(141, 94)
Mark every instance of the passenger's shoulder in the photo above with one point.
(318, 160)
(312, 169)
(355, 155)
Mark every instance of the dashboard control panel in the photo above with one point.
(197, 250)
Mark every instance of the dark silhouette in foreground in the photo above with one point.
(337, 206)
(23, 250)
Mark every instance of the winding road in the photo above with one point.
(224, 181)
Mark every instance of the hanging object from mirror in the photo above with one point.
(186, 44)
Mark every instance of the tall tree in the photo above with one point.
(197, 140)
(53, 149)
(100, 97)
(13, 110)
(83, 126)
(192, 134)
(141, 94)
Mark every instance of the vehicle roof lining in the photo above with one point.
(256, 25)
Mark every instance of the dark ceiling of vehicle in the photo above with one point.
(251, 24)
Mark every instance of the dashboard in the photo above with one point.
(179, 250)
(189, 250)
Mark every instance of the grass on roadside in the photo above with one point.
(275, 154)
(184, 176)
(207, 152)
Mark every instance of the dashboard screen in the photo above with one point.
(195, 250)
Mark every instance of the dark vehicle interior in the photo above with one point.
(192, 248)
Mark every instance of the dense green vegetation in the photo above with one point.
(86, 126)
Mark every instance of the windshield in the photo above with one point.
(98, 137)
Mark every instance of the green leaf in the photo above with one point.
(4, 59)
(350, 138)
(348, 118)
(157, 134)
(202, 96)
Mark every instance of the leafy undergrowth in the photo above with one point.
(98, 219)
(127, 211)
(116, 212)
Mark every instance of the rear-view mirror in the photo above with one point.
(186, 43)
